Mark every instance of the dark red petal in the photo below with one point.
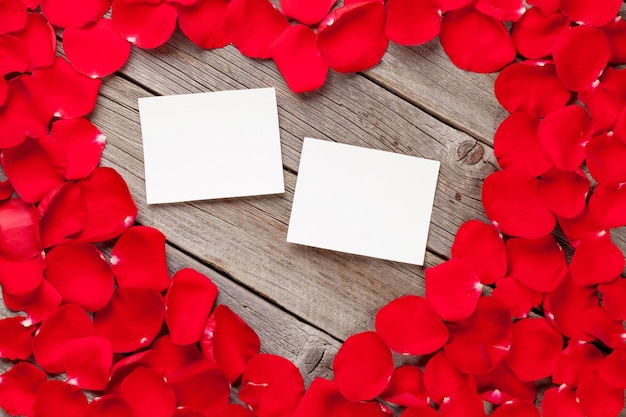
(55, 395)
(4, 91)
(558, 402)
(563, 134)
(518, 297)
(576, 227)
(40, 41)
(109, 406)
(466, 403)
(482, 247)
(599, 399)
(589, 12)
(13, 55)
(18, 278)
(38, 304)
(206, 342)
(362, 409)
(615, 32)
(110, 207)
(517, 409)
(476, 42)
(6, 190)
(517, 147)
(612, 369)
(580, 54)
(419, 411)
(352, 38)
(596, 260)
(505, 10)
(502, 385)
(363, 365)
(125, 366)
(308, 12)
(87, 362)
(18, 389)
(298, 59)
(453, 289)
(234, 342)
(202, 386)
(575, 362)
(613, 295)
(564, 192)
(442, 379)
(597, 322)
(535, 347)
(253, 25)
(132, 319)
(564, 306)
(272, 386)
(168, 358)
(63, 214)
(427, 332)
(96, 50)
(19, 223)
(145, 25)
(513, 203)
(83, 144)
(605, 155)
(406, 387)
(537, 263)
(231, 410)
(72, 13)
(321, 399)
(148, 394)
(535, 33)
(67, 91)
(17, 338)
(607, 206)
(204, 23)
(189, 288)
(411, 22)
(13, 14)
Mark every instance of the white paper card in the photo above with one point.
(363, 201)
(211, 145)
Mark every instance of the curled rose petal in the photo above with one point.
(204, 23)
(615, 32)
(413, 22)
(535, 33)
(537, 263)
(476, 42)
(40, 41)
(125, 366)
(308, 12)
(517, 409)
(189, 288)
(18, 278)
(602, 107)
(607, 206)
(518, 297)
(202, 386)
(505, 10)
(406, 387)
(535, 347)
(605, 155)
(83, 144)
(580, 54)
(271, 386)
(612, 369)
(502, 385)
(128, 259)
(96, 50)
(109, 405)
(513, 203)
(38, 304)
(253, 26)
(576, 227)
(559, 402)
(393, 320)
(591, 13)
(453, 289)
(63, 214)
(145, 25)
(599, 399)
(352, 38)
(17, 339)
(442, 379)
(363, 367)
(57, 395)
(298, 59)
(87, 362)
(613, 295)
(18, 388)
(419, 411)
(596, 260)
(19, 230)
(13, 14)
(321, 399)
(564, 193)
(597, 322)
(481, 246)
(465, 403)
(148, 394)
(575, 362)
(72, 13)
(13, 55)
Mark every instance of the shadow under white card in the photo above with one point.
(363, 201)
(211, 145)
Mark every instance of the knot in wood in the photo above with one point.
(470, 152)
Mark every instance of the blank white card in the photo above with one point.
(363, 201)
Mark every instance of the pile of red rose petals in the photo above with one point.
(120, 327)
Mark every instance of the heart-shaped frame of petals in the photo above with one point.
(99, 319)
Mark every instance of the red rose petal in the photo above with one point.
(563, 134)
(321, 399)
(476, 42)
(576, 227)
(559, 402)
(110, 207)
(605, 155)
(83, 144)
(597, 322)
(189, 288)
(413, 23)
(168, 358)
(607, 206)
(481, 246)
(298, 59)
(17, 339)
(502, 385)
(4, 91)
(79, 272)
(19, 223)
(535, 347)
(463, 404)
(604, 110)
(72, 13)
(363, 366)
(419, 411)
(513, 203)
(599, 399)
(13, 55)
(546, 6)
(442, 379)
(352, 38)
(615, 32)
(448, 5)
(535, 33)
(125, 366)
(38, 304)
(619, 129)
(453, 289)
(148, 394)
(40, 41)
(596, 260)
(406, 387)
(564, 193)
(70, 93)
(132, 319)
(612, 369)
(57, 395)
(518, 297)
(87, 362)
(517, 146)
(272, 386)
(580, 54)
(13, 14)
(589, 12)
(232, 410)
(206, 342)
(202, 386)
(362, 409)
(517, 409)
(575, 362)
(18, 278)
(613, 295)
(234, 342)
(18, 389)
(505, 10)
(308, 12)
(108, 406)
(96, 50)
(564, 306)
(63, 214)
(143, 24)
(128, 259)
(537, 263)
(253, 25)
(204, 23)
(393, 320)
